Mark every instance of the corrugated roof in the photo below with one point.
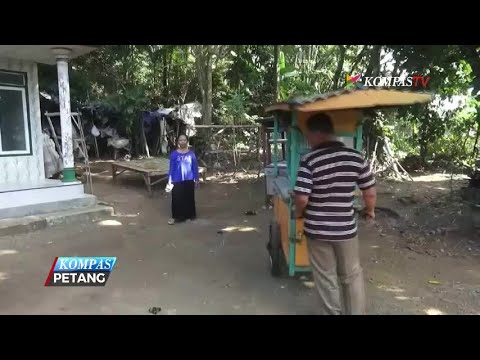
(292, 103)
(300, 100)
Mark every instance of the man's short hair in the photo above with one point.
(320, 123)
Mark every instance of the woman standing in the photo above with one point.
(183, 175)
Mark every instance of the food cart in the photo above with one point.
(287, 243)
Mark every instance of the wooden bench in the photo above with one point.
(149, 168)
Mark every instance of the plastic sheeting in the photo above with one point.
(188, 113)
(51, 159)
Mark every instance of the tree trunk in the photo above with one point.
(396, 67)
(209, 96)
(203, 64)
(341, 59)
(358, 59)
(374, 64)
(423, 153)
(473, 57)
(165, 75)
(474, 153)
(276, 79)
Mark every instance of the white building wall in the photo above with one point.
(26, 168)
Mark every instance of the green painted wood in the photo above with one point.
(293, 168)
(275, 146)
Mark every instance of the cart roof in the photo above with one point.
(266, 121)
(345, 99)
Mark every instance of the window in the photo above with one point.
(14, 114)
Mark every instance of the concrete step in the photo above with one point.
(13, 226)
(77, 202)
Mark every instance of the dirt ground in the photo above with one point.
(421, 256)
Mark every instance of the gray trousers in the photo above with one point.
(336, 269)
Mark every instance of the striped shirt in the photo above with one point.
(328, 175)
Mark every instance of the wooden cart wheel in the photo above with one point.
(277, 259)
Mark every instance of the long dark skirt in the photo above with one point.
(183, 201)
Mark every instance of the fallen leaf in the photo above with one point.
(309, 284)
(434, 282)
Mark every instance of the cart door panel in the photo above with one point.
(282, 216)
(301, 250)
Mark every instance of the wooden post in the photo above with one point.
(146, 177)
(234, 153)
(268, 158)
(259, 160)
(144, 138)
(275, 147)
(114, 173)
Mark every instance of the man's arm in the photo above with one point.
(301, 202)
(370, 198)
(366, 183)
(303, 188)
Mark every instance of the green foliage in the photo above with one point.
(129, 105)
(132, 78)
(234, 110)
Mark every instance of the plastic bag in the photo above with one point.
(169, 187)
(95, 132)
